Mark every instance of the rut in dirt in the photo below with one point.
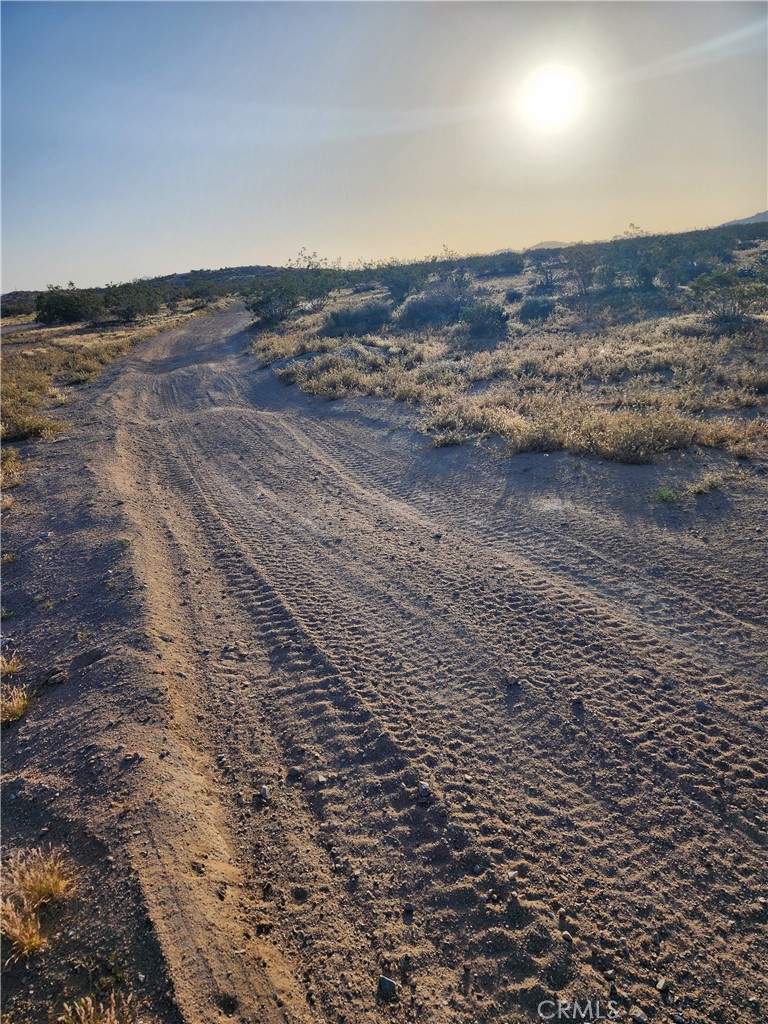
(502, 760)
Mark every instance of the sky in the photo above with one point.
(144, 138)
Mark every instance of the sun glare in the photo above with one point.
(551, 98)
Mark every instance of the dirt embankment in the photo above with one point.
(505, 714)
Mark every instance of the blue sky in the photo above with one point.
(143, 138)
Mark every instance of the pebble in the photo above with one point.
(637, 1015)
(294, 772)
(424, 789)
(701, 705)
(387, 987)
(566, 937)
(321, 780)
(408, 907)
(265, 792)
(662, 984)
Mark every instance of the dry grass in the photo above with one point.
(626, 392)
(88, 1011)
(14, 702)
(39, 362)
(10, 664)
(39, 876)
(10, 468)
(32, 878)
(21, 927)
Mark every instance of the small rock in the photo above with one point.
(294, 772)
(566, 936)
(701, 705)
(424, 789)
(387, 988)
(662, 984)
(408, 908)
(637, 1015)
(264, 793)
(321, 780)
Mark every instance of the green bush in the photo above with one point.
(69, 305)
(500, 264)
(356, 320)
(402, 279)
(485, 321)
(535, 309)
(513, 295)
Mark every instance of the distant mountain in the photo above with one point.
(757, 218)
(550, 245)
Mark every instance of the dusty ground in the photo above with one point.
(247, 586)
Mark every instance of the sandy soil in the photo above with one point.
(508, 712)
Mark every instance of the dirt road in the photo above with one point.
(508, 712)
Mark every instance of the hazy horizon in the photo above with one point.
(150, 138)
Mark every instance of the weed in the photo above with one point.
(6, 614)
(11, 664)
(38, 875)
(88, 1011)
(10, 468)
(667, 495)
(124, 542)
(7, 558)
(21, 926)
(708, 482)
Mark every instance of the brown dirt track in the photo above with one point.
(311, 584)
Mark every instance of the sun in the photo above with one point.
(551, 98)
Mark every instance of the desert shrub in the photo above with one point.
(402, 279)
(128, 302)
(436, 308)
(500, 264)
(535, 309)
(273, 300)
(485, 321)
(356, 320)
(513, 295)
(18, 303)
(69, 305)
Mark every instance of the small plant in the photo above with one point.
(667, 495)
(7, 558)
(88, 1011)
(125, 543)
(33, 877)
(6, 613)
(21, 926)
(14, 702)
(709, 482)
(39, 875)
(513, 295)
(535, 309)
(10, 664)
(10, 468)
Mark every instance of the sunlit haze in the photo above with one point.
(146, 138)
